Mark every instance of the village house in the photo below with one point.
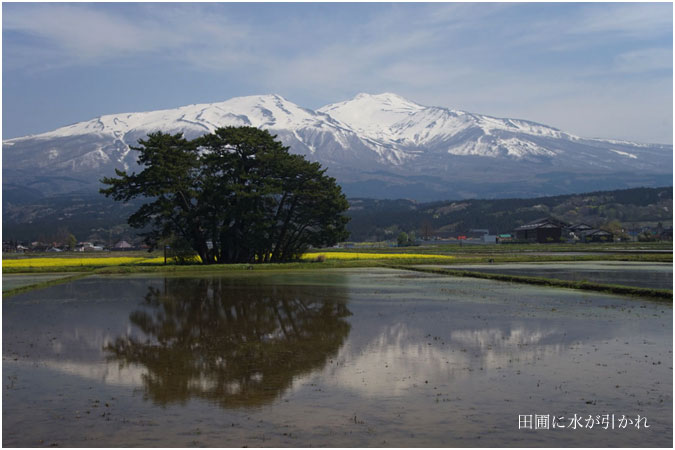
(544, 230)
(122, 245)
(574, 231)
(87, 247)
(13, 247)
(595, 235)
(578, 228)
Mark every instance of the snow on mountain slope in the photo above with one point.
(372, 115)
(392, 120)
(110, 136)
(263, 111)
(354, 139)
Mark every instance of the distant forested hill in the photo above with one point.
(383, 219)
(89, 217)
(93, 217)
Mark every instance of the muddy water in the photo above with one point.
(331, 358)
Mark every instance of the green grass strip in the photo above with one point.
(219, 268)
(663, 295)
(41, 285)
(334, 264)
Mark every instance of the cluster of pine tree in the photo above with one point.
(234, 196)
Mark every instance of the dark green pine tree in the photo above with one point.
(168, 180)
(235, 195)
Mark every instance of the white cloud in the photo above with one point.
(639, 20)
(644, 60)
(551, 63)
(76, 34)
(82, 32)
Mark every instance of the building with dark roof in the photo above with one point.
(579, 227)
(545, 230)
(594, 235)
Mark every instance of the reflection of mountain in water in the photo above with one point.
(235, 345)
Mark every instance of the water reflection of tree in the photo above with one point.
(237, 345)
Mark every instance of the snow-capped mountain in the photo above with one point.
(394, 121)
(376, 145)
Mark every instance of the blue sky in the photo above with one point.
(592, 69)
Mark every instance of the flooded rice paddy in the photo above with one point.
(634, 274)
(353, 357)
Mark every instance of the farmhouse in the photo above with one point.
(578, 228)
(543, 230)
(87, 247)
(123, 245)
(594, 235)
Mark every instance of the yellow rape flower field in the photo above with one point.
(74, 263)
(39, 263)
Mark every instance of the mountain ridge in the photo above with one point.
(370, 132)
(97, 218)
